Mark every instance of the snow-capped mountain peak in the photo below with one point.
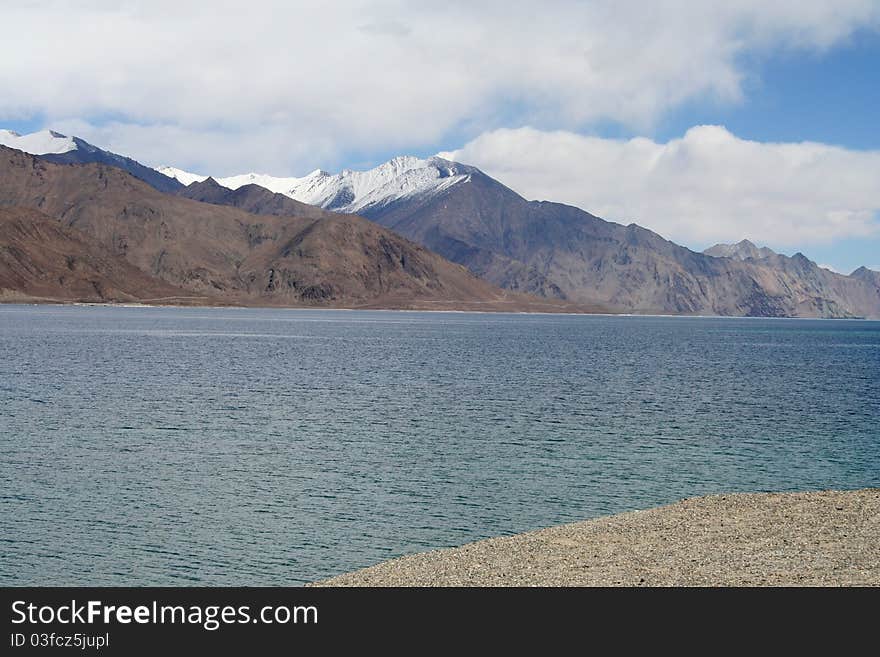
(43, 142)
(349, 190)
(183, 177)
(404, 176)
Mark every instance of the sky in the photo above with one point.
(704, 121)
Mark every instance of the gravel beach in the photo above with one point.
(828, 538)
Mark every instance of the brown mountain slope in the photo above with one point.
(231, 256)
(503, 271)
(251, 198)
(40, 259)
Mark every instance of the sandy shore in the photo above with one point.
(824, 538)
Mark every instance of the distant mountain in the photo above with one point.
(370, 193)
(559, 251)
(541, 248)
(742, 250)
(61, 149)
(40, 258)
(868, 275)
(353, 191)
(226, 255)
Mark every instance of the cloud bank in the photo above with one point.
(285, 87)
(708, 186)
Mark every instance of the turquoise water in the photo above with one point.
(171, 446)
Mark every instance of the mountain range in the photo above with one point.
(186, 251)
(559, 251)
(353, 191)
(539, 252)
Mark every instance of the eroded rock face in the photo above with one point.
(42, 258)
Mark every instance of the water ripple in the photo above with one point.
(336, 439)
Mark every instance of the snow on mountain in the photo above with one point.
(347, 191)
(352, 191)
(43, 142)
(184, 177)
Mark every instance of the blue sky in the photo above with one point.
(602, 104)
(831, 97)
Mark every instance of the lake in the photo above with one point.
(172, 446)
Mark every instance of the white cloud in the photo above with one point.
(279, 85)
(708, 186)
(830, 268)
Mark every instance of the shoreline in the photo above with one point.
(823, 538)
(495, 306)
(502, 311)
